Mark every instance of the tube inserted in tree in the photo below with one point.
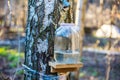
(65, 3)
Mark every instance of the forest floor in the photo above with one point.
(95, 66)
(95, 62)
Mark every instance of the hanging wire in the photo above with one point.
(30, 72)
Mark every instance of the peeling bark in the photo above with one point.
(39, 49)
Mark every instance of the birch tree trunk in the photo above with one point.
(80, 20)
(39, 49)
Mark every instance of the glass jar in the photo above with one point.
(67, 44)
